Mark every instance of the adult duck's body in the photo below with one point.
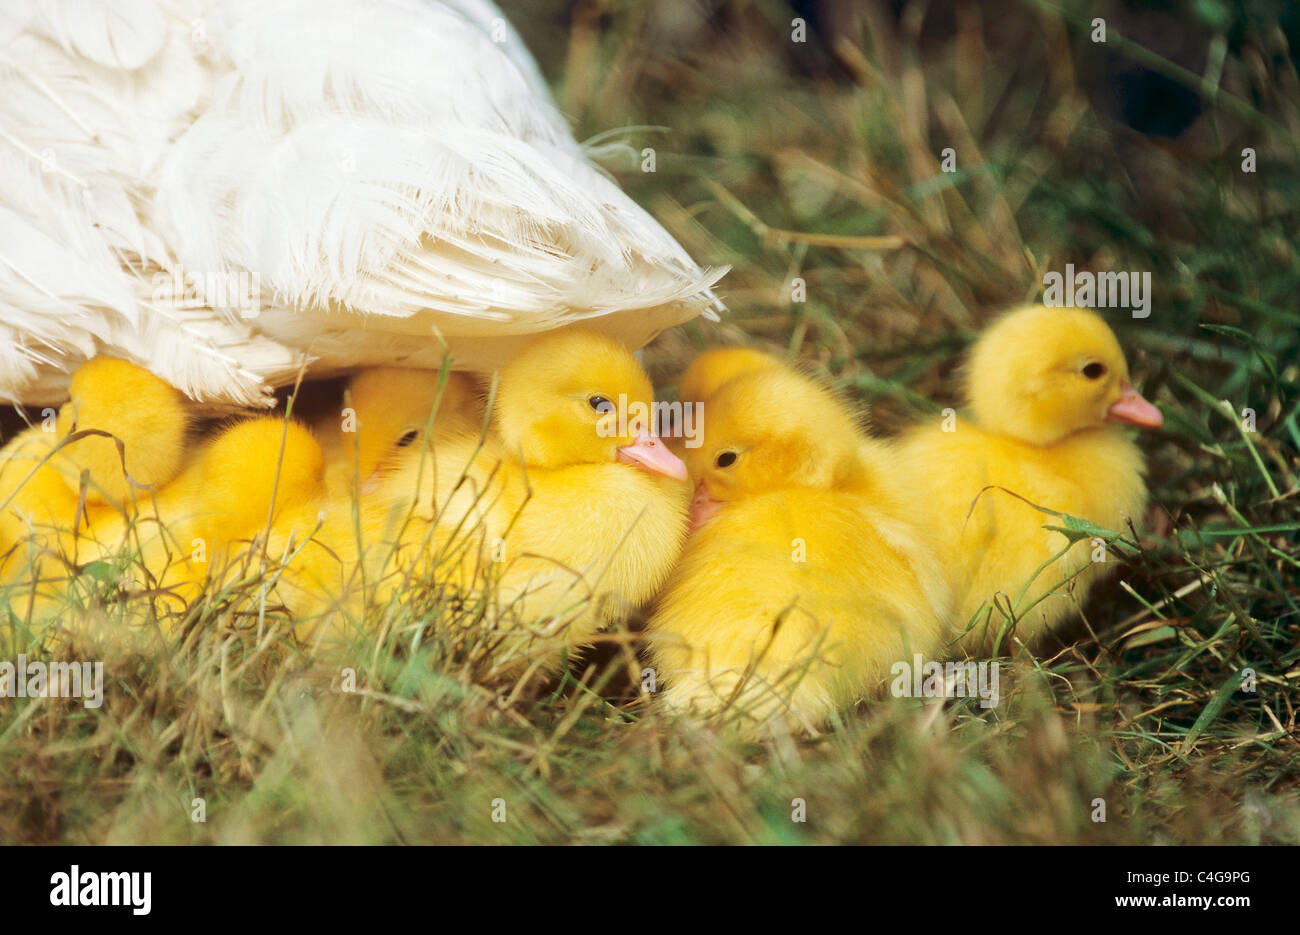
(224, 190)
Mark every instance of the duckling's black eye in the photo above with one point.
(408, 438)
(1094, 371)
(600, 404)
(726, 459)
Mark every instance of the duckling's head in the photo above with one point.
(252, 459)
(392, 406)
(574, 397)
(769, 430)
(711, 370)
(144, 411)
(1040, 374)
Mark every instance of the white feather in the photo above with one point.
(224, 189)
(116, 34)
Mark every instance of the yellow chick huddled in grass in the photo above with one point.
(238, 486)
(713, 369)
(388, 409)
(1049, 394)
(148, 415)
(283, 483)
(803, 583)
(569, 512)
(220, 521)
(207, 526)
(179, 515)
(60, 495)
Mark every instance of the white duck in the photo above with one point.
(222, 189)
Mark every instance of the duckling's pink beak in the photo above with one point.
(1132, 409)
(703, 507)
(650, 453)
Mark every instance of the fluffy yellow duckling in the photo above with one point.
(249, 476)
(1049, 392)
(37, 504)
(42, 482)
(709, 372)
(802, 583)
(144, 411)
(216, 516)
(571, 508)
(387, 409)
(203, 525)
(714, 368)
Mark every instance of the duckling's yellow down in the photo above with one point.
(63, 498)
(180, 515)
(804, 582)
(387, 409)
(1046, 387)
(565, 515)
(713, 369)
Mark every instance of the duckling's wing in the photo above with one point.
(257, 184)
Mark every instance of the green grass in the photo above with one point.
(788, 161)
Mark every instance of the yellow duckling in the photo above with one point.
(203, 524)
(248, 477)
(569, 511)
(260, 479)
(387, 409)
(145, 412)
(709, 371)
(714, 368)
(42, 481)
(802, 583)
(1046, 388)
(215, 519)
(36, 500)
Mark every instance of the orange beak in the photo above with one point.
(651, 454)
(1132, 409)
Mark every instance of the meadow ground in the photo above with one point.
(821, 162)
